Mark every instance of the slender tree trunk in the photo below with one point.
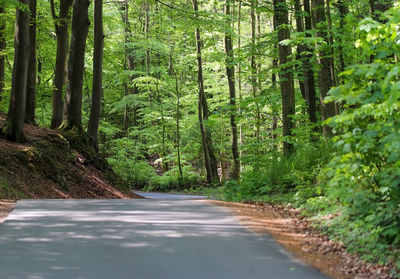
(210, 146)
(13, 128)
(201, 98)
(274, 117)
(97, 90)
(343, 11)
(300, 47)
(331, 48)
(253, 65)
(239, 27)
(3, 45)
(178, 128)
(285, 75)
(230, 73)
(79, 32)
(378, 7)
(325, 80)
(309, 80)
(147, 31)
(61, 23)
(31, 83)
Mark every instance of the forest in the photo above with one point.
(283, 101)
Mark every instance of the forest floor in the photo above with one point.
(47, 166)
(298, 235)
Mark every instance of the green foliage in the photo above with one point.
(171, 181)
(294, 178)
(364, 176)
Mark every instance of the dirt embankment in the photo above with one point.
(51, 165)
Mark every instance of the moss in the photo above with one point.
(6, 191)
(11, 133)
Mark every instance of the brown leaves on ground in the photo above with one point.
(6, 207)
(296, 234)
(46, 167)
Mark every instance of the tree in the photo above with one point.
(230, 74)
(13, 128)
(61, 23)
(202, 103)
(285, 73)
(95, 109)
(3, 45)
(309, 80)
(378, 7)
(325, 78)
(79, 32)
(31, 82)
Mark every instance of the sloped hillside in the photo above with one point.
(51, 165)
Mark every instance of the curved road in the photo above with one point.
(141, 239)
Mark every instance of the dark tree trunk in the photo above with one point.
(3, 46)
(31, 82)
(95, 109)
(60, 73)
(230, 74)
(325, 79)
(285, 75)
(378, 7)
(13, 128)
(309, 80)
(201, 100)
(178, 126)
(79, 31)
(343, 11)
(300, 47)
(253, 66)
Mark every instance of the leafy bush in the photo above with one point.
(172, 181)
(365, 175)
(278, 175)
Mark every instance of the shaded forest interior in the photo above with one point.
(293, 102)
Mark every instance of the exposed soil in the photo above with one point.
(48, 166)
(6, 206)
(297, 234)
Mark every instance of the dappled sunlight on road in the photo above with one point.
(101, 238)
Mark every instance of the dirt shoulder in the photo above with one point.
(297, 235)
(6, 206)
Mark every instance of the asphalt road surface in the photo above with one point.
(141, 239)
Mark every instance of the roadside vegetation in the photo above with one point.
(283, 102)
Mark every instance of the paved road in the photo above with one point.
(167, 196)
(141, 239)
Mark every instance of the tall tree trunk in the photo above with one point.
(200, 103)
(3, 45)
(31, 83)
(325, 80)
(300, 47)
(178, 128)
(309, 80)
(61, 23)
(331, 48)
(378, 7)
(13, 128)
(253, 65)
(239, 27)
(97, 89)
(79, 31)
(230, 73)
(285, 75)
(343, 11)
